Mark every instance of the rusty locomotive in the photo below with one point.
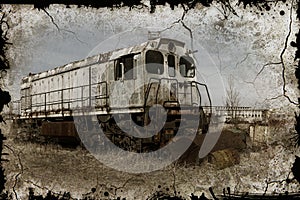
(102, 89)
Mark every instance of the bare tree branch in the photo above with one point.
(60, 29)
(191, 34)
(233, 98)
(263, 68)
(21, 169)
(243, 60)
(277, 181)
(282, 53)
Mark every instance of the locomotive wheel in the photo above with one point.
(87, 132)
(81, 124)
(103, 118)
(127, 142)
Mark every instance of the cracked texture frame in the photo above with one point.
(250, 45)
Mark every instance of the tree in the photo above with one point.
(232, 99)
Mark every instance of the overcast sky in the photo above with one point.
(236, 48)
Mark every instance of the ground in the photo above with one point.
(51, 167)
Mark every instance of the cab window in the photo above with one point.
(127, 62)
(154, 62)
(171, 65)
(186, 67)
(118, 70)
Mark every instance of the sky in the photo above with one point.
(236, 48)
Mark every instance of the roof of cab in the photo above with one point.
(104, 57)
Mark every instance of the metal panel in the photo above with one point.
(59, 129)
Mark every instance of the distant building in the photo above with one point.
(240, 114)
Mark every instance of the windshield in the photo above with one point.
(186, 66)
(154, 62)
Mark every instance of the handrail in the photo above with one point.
(206, 88)
(191, 83)
(63, 89)
(148, 91)
(63, 101)
(159, 83)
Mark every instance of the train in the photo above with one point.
(103, 90)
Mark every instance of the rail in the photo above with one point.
(63, 101)
(196, 84)
(192, 84)
(159, 80)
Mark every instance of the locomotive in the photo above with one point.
(115, 88)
